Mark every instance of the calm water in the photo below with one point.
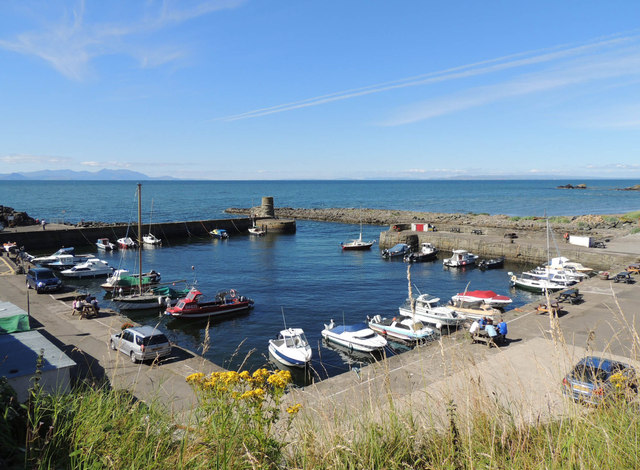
(305, 275)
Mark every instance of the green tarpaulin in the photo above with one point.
(14, 324)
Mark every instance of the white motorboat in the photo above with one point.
(460, 258)
(291, 348)
(537, 283)
(427, 252)
(487, 297)
(105, 244)
(358, 337)
(428, 310)
(123, 280)
(396, 251)
(67, 261)
(402, 328)
(126, 243)
(93, 267)
(151, 239)
(46, 260)
(257, 231)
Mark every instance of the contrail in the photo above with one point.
(477, 68)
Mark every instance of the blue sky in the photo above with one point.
(321, 90)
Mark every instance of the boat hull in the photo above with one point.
(352, 343)
(210, 310)
(285, 358)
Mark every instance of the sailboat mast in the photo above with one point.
(140, 237)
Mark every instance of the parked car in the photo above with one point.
(141, 343)
(43, 280)
(595, 379)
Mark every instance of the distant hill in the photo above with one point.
(102, 175)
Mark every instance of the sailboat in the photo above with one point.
(150, 238)
(151, 297)
(358, 243)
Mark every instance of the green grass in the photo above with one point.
(631, 216)
(97, 427)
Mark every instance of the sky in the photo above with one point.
(298, 89)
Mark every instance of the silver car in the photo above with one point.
(141, 343)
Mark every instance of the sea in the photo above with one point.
(304, 279)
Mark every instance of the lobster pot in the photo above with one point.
(267, 206)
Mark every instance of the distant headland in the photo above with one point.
(71, 175)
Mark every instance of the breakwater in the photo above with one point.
(57, 235)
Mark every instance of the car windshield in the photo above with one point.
(156, 339)
(589, 374)
(45, 275)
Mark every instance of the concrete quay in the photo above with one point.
(86, 341)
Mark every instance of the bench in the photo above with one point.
(572, 295)
(476, 232)
(633, 269)
(85, 311)
(543, 308)
(511, 235)
(481, 336)
(454, 230)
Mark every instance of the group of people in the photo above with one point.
(498, 331)
(79, 303)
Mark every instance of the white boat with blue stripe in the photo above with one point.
(291, 348)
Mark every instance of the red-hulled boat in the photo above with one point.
(192, 306)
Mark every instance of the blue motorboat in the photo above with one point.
(396, 251)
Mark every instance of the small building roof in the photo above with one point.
(19, 354)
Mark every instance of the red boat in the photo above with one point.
(225, 302)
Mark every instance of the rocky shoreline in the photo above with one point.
(593, 225)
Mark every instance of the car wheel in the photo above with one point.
(113, 345)
(133, 357)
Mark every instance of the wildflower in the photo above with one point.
(292, 410)
(259, 376)
(280, 379)
(245, 375)
(231, 377)
(195, 377)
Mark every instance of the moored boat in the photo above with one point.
(93, 267)
(396, 251)
(357, 244)
(401, 328)
(193, 306)
(46, 260)
(105, 244)
(123, 281)
(475, 310)
(219, 233)
(536, 283)
(427, 252)
(493, 263)
(428, 310)
(151, 239)
(460, 258)
(291, 348)
(126, 243)
(358, 337)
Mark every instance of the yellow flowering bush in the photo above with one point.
(237, 411)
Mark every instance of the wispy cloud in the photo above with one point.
(70, 44)
(491, 66)
(608, 65)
